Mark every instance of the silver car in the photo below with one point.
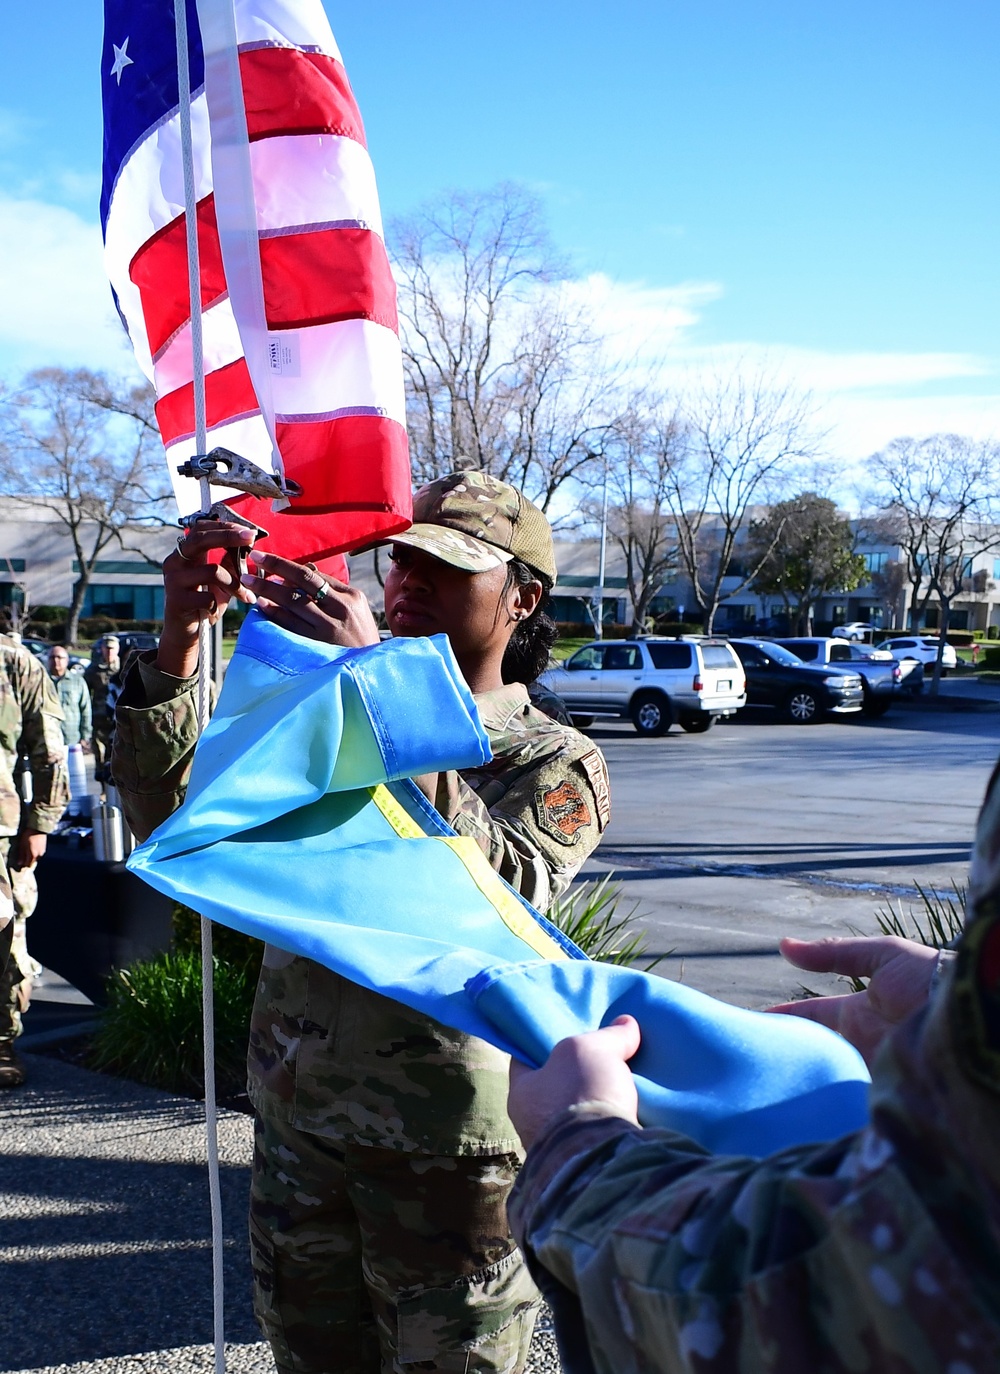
(652, 682)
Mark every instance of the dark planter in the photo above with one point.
(93, 917)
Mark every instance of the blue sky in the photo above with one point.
(814, 182)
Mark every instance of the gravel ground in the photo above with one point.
(105, 1234)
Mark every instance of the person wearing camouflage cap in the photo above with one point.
(878, 1252)
(384, 1154)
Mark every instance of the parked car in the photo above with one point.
(923, 648)
(858, 630)
(804, 692)
(653, 682)
(881, 676)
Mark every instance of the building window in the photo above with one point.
(996, 569)
(11, 565)
(875, 562)
(124, 601)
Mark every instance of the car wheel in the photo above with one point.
(697, 725)
(803, 707)
(651, 713)
(582, 722)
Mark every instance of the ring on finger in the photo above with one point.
(180, 550)
(299, 595)
(322, 591)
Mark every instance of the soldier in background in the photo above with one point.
(104, 681)
(877, 1252)
(31, 727)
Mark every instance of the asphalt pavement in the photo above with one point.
(105, 1236)
(729, 840)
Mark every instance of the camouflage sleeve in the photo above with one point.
(544, 827)
(156, 729)
(858, 1254)
(42, 741)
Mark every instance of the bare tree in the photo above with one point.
(85, 448)
(641, 456)
(503, 368)
(939, 495)
(746, 438)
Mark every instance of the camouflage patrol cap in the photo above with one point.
(474, 521)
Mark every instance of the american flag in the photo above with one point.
(322, 362)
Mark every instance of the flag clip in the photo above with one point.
(222, 467)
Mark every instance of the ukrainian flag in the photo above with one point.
(301, 828)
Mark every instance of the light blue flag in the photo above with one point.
(301, 827)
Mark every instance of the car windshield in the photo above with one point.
(781, 655)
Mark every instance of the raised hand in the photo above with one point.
(900, 973)
(298, 597)
(199, 579)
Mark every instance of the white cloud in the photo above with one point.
(864, 398)
(646, 322)
(55, 304)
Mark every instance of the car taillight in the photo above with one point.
(698, 685)
(897, 673)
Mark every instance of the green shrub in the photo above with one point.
(228, 945)
(151, 1029)
(990, 658)
(678, 627)
(959, 639)
(588, 914)
(993, 632)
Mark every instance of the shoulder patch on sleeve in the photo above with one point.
(562, 810)
(597, 771)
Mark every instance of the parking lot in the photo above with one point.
(759, 829)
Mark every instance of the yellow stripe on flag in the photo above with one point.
(499, 896)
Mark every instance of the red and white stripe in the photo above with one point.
(329, 300)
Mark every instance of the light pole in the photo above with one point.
(597, 604)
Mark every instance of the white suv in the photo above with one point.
(923, 648)
(653, 682)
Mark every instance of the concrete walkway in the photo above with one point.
(105, 1249)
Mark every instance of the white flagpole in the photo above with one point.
(204, 676)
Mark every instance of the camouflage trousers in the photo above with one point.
(378, 1261)
(16, 978)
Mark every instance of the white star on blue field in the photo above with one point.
(122, 60)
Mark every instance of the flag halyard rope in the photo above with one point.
(204, 659)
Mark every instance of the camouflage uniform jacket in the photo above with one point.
(103, 684)
(335, 1059)
(878, 1254)
(30, 724)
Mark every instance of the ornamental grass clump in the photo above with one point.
(588, 914)
(151, 1028)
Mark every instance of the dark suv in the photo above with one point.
(804, 692)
